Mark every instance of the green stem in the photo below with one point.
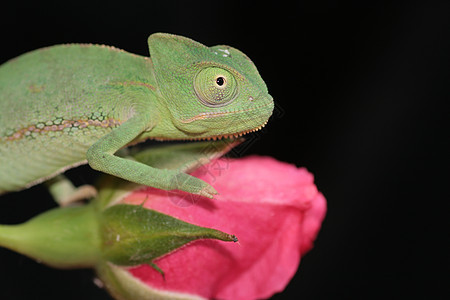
(63, 237)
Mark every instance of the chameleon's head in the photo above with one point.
(209, 91)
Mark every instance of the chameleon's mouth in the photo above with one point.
(209, 115)
(233, 135)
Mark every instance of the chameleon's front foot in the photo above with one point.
(190, 184)
(139, 173)
(205, 191)
(208, 192)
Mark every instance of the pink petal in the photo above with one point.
(273, 208)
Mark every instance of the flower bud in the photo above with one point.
(273, 207)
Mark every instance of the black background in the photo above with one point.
(360, 90)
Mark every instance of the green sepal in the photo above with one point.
(157, 269)
(133, 235)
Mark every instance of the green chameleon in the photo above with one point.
(66, 105)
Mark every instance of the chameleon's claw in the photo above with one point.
(208, 192)
(65, 193)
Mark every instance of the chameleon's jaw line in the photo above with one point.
(215, 137)
(233, 135)
(210, 115)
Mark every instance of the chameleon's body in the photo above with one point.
(65, 105)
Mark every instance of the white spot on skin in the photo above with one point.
(227, 53)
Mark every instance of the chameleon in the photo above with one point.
(71, 104)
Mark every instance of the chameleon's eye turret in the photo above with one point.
(215, 87)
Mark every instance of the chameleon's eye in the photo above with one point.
(215, 86)
(220, 81)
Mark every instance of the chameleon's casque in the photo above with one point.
(65, 105)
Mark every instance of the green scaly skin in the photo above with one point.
(66, 105)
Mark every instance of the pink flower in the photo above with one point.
(273, 208)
